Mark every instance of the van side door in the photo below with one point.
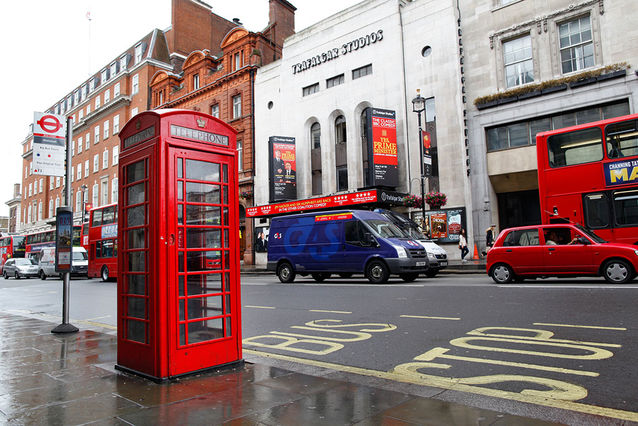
(356, 248)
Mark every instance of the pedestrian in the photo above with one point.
(463, 246)
(489, 238)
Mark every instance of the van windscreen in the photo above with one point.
(384, 229)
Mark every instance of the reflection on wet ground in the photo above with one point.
(69, 379)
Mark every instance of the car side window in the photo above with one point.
(524, 237)
(557, 236)
(354, 233)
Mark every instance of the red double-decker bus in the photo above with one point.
(588, 174)
(11, 246)
(35, 242)
(102, 245)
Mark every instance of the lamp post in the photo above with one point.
(418, 106)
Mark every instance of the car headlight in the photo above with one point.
(401, 252)
(636, 251)
(431, 256)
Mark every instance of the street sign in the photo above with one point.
(49, 144)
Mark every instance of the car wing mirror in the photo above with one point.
(582, 240)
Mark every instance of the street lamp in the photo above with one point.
(84, 189)
(418, 106)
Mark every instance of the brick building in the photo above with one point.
(218, 79)
(102, 104)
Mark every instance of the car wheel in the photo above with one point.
(617, 271)
(377, 272)
(320, 276)
(105, 273)
(43, 276)
(408, 278)
(5, 275)
(16, 275)
(502, 274)
(431, 273)
(285, 273)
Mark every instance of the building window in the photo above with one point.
(86, 168)
(76, 97)
(136, 84)
(362, 72)
(160, 95)
(517, 57)
(113, 69)
(107, 96)
(57, 202)
(83, 92)
(79, 175)
(50, 183)
(40, 210)
(41, 185)
(523, 133)
(240, 156)
(116, 154)
(196, 82)
(57, 181)
(105, 191)
(309, 90)
(105, 76)
(87, 141)
(576, 45)
(123, 63)
(237, 61)
(116, 124)
(91, 85)
(106, 129)
(81, 114)
(315, 158)
(214, 110)
(96, 134)
(114, 190)
(335, 81)
(72, 173)
(138, 53)
(341, 153)
(50, 208)
(105, 159)
(236, 106)
(88, 109)
(96, 195)
(78, 201)
(116, 90)
(133, 112)
(96, 163)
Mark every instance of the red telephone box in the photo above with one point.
(178, 294)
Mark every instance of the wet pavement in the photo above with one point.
(70, 380)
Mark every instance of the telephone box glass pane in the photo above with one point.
(136, 331)
(136, 239)
(202, 331)
(225, 168)
(181, 285)
(225, 194)
(136, 261)
(180, 191)
(136, 216)
(182, 309)
(228, 304)
(204, 307)
(228, 330)
(135, 172)
(182, 334)
(136, 284)
(202, 170)
(203, 238)
(180, 164)
(203, 215)
(180, 214)
(136, 193)
(203, 284)
(137, 307)
(202, 193)
(200, 261)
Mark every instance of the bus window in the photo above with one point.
(622, 139)
(596, 208)
(626, 207)
(108, 215)
(577, 147)
(97, 218)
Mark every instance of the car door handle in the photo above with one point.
(509, 250)
(551, 249)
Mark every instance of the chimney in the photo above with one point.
(282, 15)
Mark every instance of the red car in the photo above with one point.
(559, 250)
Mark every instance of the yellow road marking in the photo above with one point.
(330, 312)
(582, 326)
(424, 317)
(451, 385)
(259, 307)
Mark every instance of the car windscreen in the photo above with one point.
(384, 229)
(79, 255)
(590, 234)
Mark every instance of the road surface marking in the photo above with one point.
(581, 326)
(259, 307)
(452, 385)
(330, 312)
(424, 317)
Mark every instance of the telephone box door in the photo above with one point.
(203, 261)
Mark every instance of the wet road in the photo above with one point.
(563, 344)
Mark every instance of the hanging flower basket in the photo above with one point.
(413, 201)
(435, 200)
(246, 194)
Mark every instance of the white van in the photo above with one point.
(79, 263)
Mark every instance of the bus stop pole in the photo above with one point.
(65, 327)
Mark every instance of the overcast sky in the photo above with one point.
(48, 49)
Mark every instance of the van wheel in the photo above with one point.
(320, 276)
(617, 271)
(377, 272)
(502, 274)
(105, 273)
(285, 273)
(43, 276)
(408, 278)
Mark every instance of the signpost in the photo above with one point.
(49, 144)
